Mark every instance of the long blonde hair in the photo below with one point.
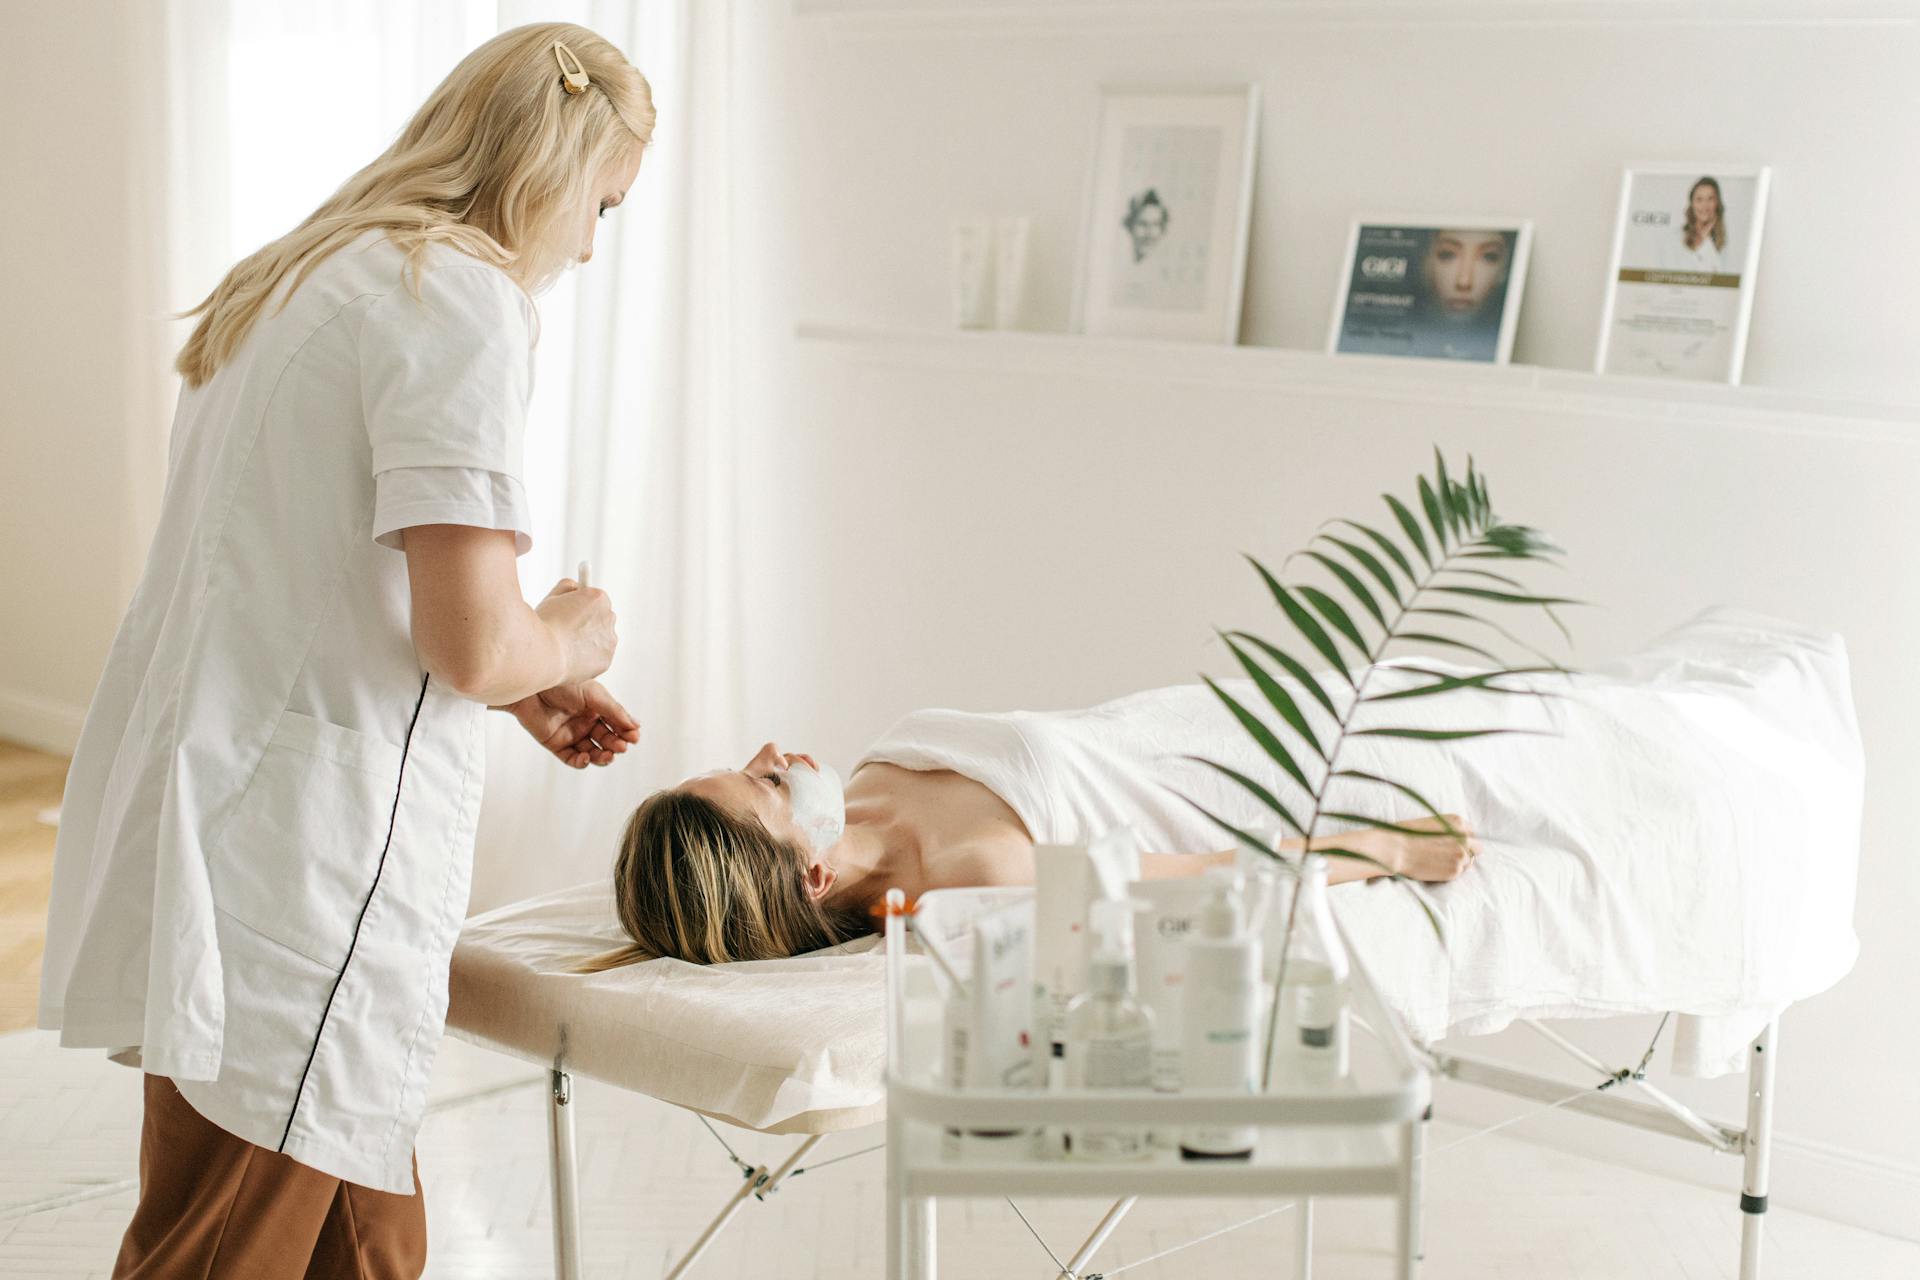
(699, 883)
(498, 155)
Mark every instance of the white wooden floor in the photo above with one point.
(1499, 1208)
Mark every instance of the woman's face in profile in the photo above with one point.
(608, 189)
(1706, 207)
(758, 790)
(1464, 267)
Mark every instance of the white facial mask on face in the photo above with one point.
(819, 804)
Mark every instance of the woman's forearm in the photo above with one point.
(1342, 870)
(1168, 866)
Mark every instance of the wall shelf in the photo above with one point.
(1528, 388)
(1003, 16)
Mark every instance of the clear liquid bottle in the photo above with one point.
(1311, 1042)
(1109, 1036)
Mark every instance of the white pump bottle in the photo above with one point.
(1220, 1016)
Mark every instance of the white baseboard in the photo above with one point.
(1808, 1176)
(41, 723)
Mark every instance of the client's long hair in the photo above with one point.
(698, 883)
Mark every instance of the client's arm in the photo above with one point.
(1434, 857)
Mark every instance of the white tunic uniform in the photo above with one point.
(267, 834)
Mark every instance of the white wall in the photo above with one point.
(1004, 524)
(71, 509)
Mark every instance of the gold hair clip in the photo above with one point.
(574, 79)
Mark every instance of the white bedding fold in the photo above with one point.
(1684, 839)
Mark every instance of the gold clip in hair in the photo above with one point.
(572, 79)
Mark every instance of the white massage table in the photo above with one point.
(1725, 937)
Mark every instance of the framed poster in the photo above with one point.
(1432, 288)
(1680, 281)
(1164, 249)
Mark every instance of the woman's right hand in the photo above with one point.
(582, 619)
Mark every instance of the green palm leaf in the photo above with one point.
(1482, 680)
(1503, 597)
(1443, 611)
(1337, 851)
(1448, 642)
(1432, 735)
(1361, 775)
(1488, 574)
(1257, 790)
(1435, 517)
(1303, 621)
(1459, 534)
(1388, 547)
(1354, 586)
(1262, 735)
(1330, 609)
(1368, 561)
(1276, 696)
(1292, 667)
(1252, 842)
(1410, 527)
(1450, 497)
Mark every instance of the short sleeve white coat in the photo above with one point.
(266, 840)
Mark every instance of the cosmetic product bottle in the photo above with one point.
(1064, 885)
(1160, 935)
(1220, 1011)
(1168, 921)
(1109, 1041)
(988, 1017)
(1313, 1001)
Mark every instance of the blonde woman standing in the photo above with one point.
(268, 826)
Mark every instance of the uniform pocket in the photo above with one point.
(297, 860)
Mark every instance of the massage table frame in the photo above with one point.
(919, 1171)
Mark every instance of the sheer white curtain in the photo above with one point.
(269, 104)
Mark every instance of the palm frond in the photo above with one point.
(1434, 585)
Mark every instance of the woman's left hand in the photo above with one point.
(1421, 856)
(581, 724)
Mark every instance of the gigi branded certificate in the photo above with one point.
(1680, 288)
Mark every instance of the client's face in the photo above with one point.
(758, 790)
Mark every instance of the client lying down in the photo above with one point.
(775, 859)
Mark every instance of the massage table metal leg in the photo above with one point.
(1084, 1254)
(1758, 1148)
(757, 1181)
(562, 1170)
(1303, 1241)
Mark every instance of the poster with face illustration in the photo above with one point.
(1165, 246)
(1433, 288)
(1680, 285)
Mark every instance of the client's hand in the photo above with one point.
(1423, 857)
(580, 723)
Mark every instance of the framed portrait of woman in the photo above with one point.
(1163, 253)
(1680, 279)
(1436, 288)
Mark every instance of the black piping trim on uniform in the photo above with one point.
(366, 902)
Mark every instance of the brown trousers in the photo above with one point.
(213, 1207)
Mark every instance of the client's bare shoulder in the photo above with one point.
(966, 834)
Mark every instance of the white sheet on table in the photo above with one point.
(1685, 839)
(1687, 842)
